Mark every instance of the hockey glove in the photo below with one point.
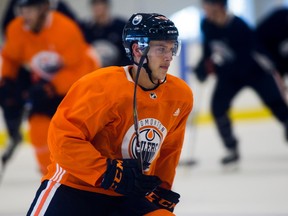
(125, 177)
(10, 94)
(203, 69)
(44, 98)
(166, 199)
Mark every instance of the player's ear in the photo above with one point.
(136, 51)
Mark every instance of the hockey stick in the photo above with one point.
(135, 113)
(192, 125)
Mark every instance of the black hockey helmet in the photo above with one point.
(141, 28)
(22, 3)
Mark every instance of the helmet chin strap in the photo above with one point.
(149, 71)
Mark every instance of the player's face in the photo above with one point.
(211, 11)
(160, 56)
(32, 15)
(99, 9)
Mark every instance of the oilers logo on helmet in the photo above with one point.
(151, 136)
(137, 19)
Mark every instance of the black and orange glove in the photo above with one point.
(163, 198)
(125, 177)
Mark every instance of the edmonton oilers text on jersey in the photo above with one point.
(151, 135)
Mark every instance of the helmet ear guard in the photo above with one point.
(141, 28)
(142, 44)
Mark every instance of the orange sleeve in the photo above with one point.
(72, 130)
(11, 52)
(75, 53)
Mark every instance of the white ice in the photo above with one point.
(258, 188)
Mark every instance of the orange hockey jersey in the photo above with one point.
(60, 35)
(95, 122)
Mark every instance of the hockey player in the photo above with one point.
(104, 32)
(272, 32)
(51, 46)
(10, 11)
(231, 52)
(96, 158)
(14, 111)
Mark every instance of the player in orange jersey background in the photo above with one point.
(14, 114)
(101, 163)
(52, 47)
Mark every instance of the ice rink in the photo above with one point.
(258, 188)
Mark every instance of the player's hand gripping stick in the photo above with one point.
(125, 177)
(166, 199)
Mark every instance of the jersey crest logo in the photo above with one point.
(151, 136)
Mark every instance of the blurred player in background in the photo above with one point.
(52, 47)
(64, 8)
(11, 11)
(98, 166)
(230, 51)
(13, 112)
(104, 32)
(272, 31)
